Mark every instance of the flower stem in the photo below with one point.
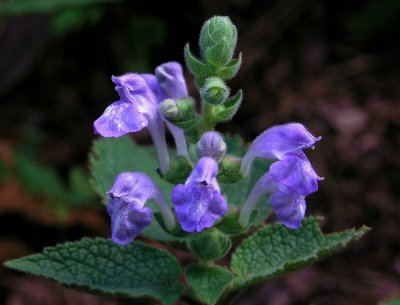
(156, 130)
(208, 117)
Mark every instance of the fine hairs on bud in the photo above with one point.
(211, 145)
(169, 108)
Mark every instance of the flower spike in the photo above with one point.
(198, 203)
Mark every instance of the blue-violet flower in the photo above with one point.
(136, 109)
(126, 207)
(169, 82)
(199, 203)
(289, 180)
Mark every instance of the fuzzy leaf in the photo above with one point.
(276, 250)
(230, 70)
(195, 65)
(228, 110)
(101, 266)
(110, 156)
(208, 282)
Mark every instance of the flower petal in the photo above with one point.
(127, 220)
(171, 80)
(296, 173)
(277, 141)
(198, 206)
(133, 88)
(206, 170)
(119, 119)
(133, 187)
(152, 82)
(290, 208)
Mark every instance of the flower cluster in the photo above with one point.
(159, 99)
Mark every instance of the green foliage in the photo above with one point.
(19, 7)
(74, 19)
(276, 250)
(110, 157)
(228, 109)
(209, 245)
(208, 282)
(45, 182)
(101, 266)
(231, 69)
(395, 301)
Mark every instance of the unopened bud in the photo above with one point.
(209, 245)
(211, 145)
(214, 91)
(229, 170)
(169, 109)
(218, 40)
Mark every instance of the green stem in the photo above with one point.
(208, 117)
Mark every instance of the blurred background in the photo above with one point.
(332, 65)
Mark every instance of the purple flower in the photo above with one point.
(169, 82)
(126, 207)
(276, 142)
(136, 109)
(289, 180)
(198, 203)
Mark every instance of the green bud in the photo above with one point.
(218, 40)
(169, 109)
(209, 245)
(181, 112)
(180, 169)
(229, 170)
(214, 91)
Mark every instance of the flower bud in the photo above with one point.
(229, 170)
(218, 40)
(180, 169)
(210, 245)
(169, 109)
(211, 145)
(214, 91)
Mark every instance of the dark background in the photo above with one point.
(332, 65)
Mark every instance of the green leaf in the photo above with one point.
(230, 70)
(39, 179)
(195, 65)
(228, 110)
(208, 282)
(99, 265)
(111, 156)
(276, 250)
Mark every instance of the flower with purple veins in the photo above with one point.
(198, 203)
(289, 180)
(126, 207)
(136, 109)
